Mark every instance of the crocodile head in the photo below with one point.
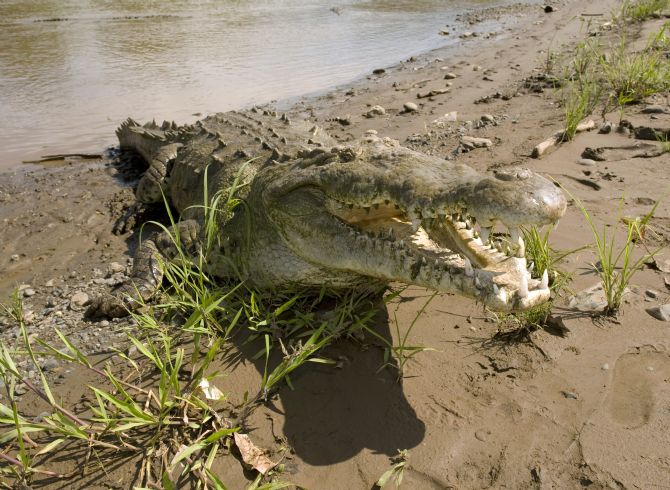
(378, 210)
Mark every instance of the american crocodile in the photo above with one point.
(349, 215)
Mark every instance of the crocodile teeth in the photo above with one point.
(469, 272)
(523, 286)
(514, 235)
(521, 247)
(485, 233)
(544, 283)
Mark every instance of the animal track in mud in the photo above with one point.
(631, 400)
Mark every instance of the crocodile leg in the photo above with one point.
(147, 273)
(153, 183)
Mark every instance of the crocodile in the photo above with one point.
(340, 216)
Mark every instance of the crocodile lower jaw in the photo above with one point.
(446, 252)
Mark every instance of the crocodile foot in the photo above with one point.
(135, 215)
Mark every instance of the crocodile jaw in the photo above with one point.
(440, 254)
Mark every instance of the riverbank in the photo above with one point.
(579, 405)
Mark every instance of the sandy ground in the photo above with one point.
(589, 408)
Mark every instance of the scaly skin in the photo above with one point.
(347, 216)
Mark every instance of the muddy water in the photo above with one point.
(71, 70)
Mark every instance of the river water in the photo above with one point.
(71, 70)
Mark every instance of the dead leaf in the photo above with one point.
(211, 392)
(252, 455)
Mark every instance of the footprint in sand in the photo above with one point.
(631, 400)
(627, 437)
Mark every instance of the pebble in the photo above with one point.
(570, 394)
(650, 368)
(378, 71)
(482, 435)
(663, 265)
(49, 283)
(20, 389)
(450, 76)
(666, 280)
(370, 132)
(488, 118)
(606, 128)
(410, 107)
(605, 367)
(104, 324)
(476, 142)
(587, 162)
(375, 110)
(660, 312)
(78, 300)
(652, 293)
(14, 257)
(476, 68)
(115, 267)
(590, 300)
(28, 292)
(653, 109)
(50, 364)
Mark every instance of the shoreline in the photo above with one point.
(479, 410)
(483, 17)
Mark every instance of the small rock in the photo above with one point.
(645, 201)
(378, 71)
(570, 394)
(20, 389)
(548, 9)
(467, 34)
(450, 76)
(370, 132)
(476, 68)
(652, 293)
(28, 315)
(662, 265)
(78, 300)
(660, 312)
(650, 368)
(444, 33)
(482, 435)
(104, 324)
(49, 283)
(41, 416)
(376, 110)
(590, 300)
(476, 142)
(28, 292)
(410, 107)
(488, 118)
(666, 280)
(653, 109)
(344, 121)
(447, 118)
(115, 267)
(605, 367)
(50, 364)
(14, 257)
(606, 128)
(587, 162)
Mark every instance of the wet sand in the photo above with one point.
(585, 408)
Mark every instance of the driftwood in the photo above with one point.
(559, 136)
(53, 158)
